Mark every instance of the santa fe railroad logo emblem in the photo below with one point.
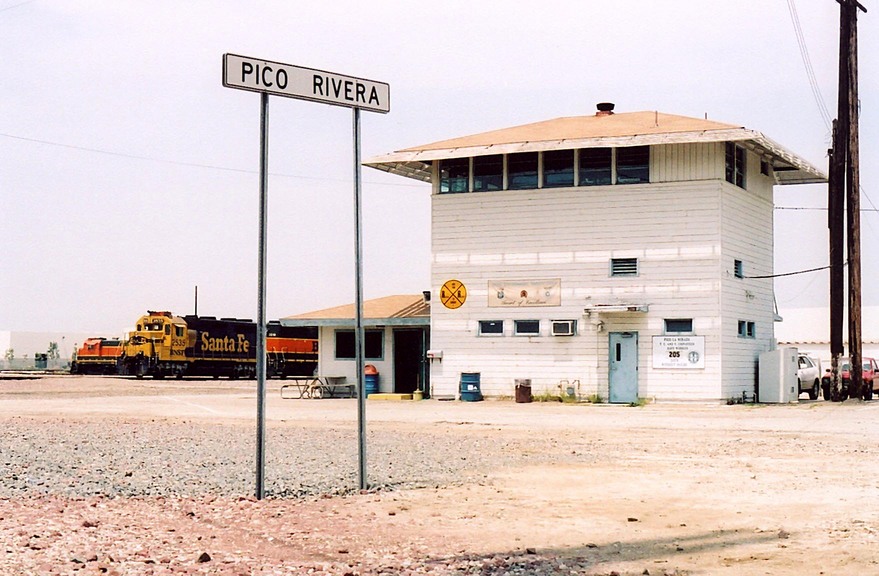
(453, 294)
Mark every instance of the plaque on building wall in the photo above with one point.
(520, 294)
(681, 352)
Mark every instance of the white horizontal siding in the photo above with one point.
(747, 235)
(571, 234)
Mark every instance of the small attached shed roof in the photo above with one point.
(598, 131)
(400, 310)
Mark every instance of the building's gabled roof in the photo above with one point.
(603, 130)
(399, 310)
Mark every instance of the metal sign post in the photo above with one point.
(261, 298)
(358, 309)
(267, 77)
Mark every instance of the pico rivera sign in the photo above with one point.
(291, 81)
(274, 78)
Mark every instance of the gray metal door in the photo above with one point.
(623, 367)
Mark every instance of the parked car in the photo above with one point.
(809, 375)
(869, 371)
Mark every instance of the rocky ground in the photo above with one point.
(106, 476)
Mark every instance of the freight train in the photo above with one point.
(166, 345)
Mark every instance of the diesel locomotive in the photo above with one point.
(97, 356)
(163, 345)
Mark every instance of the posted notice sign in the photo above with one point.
(681, 352)
(292, 81)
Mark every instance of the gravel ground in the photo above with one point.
(99, 476)
(118, 457)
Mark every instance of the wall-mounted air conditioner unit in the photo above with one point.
(564, 327)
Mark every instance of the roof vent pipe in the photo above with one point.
(604, 108)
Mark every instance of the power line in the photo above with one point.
(790, 273)
(874, 209)
(190, 164)
(807, 63)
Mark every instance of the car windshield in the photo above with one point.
(844, 366)
(866, 365)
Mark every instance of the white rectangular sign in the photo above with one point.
(305, 83)
(681, 352)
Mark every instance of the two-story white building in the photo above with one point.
(619, 255)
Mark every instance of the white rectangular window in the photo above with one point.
(747, 329)
(491, 327)
(678, 325)
(527, 327)
(623, 266)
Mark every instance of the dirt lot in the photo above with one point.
(667, 489)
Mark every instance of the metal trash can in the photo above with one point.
(523, 390)
(470, 387)
(370, 379)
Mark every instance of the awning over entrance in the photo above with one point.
(621, 307)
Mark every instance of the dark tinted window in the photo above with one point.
(488, 173)
(595, 166)
(633, 165)
(558, 168)
(454, 175)
(491, 326)
(735, 164)
(522, 170)
(679, 325)
(531, 327)
(372, 344)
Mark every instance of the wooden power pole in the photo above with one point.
(844, 190)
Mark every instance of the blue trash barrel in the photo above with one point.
(470, 391)
(370, 379)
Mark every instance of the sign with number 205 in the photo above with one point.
(681, 352)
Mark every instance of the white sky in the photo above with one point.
(128, 173)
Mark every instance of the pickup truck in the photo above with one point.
(809, 375)
(869, 371)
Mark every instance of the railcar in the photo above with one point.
(97, 356)
(164, 345)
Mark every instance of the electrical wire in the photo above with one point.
(790, 273)
(190, 164)
(807, 63)
(874, 209)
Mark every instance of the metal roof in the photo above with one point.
(398, 310)
(598, 131)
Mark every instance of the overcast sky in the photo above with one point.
(128, 173)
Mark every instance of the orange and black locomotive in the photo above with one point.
(163, 345)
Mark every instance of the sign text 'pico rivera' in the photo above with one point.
(305, 83)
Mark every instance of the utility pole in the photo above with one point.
(844, 187)
(835, 220)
